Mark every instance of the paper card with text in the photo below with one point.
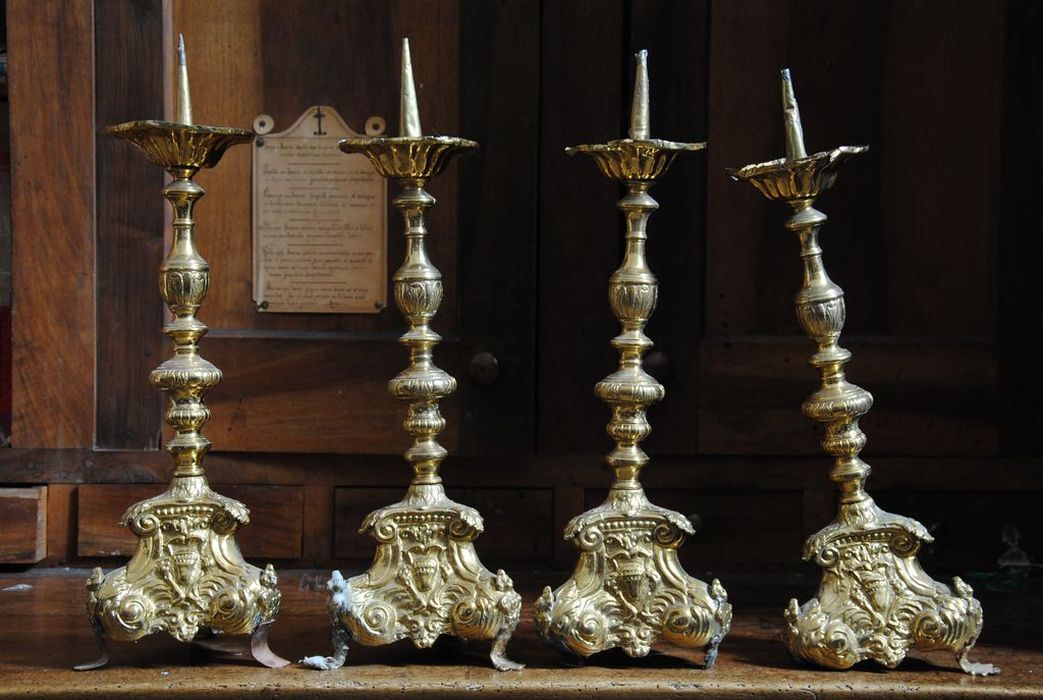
(319, 219)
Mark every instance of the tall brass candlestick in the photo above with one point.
(187, 577)
(874, 600)
(426, 579)
(628, 589)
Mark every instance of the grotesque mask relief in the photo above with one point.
(425, 581)
(186, 577)
(628, 589)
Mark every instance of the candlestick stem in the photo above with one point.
(633, 291)
(418, 294)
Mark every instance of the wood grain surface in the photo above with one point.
(52, 222)
(128, 50)
(276, 536)
(933, 235)
(23, 524)
(46, 635)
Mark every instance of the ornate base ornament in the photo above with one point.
(187, 577)
(426, 579)
(628, 589)
(874, 601)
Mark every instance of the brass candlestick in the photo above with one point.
(426, 579)
(874, 600)
(187, 577)
(628, 588)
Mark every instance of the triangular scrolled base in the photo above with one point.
(187, 577)
(875, 601)
(425, 581)
(628, 589)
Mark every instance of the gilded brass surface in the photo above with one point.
(628, 589)
(874, 601)
(187, 577)
(426, 579)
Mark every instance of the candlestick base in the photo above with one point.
(187, 577)
(628, 589)
(425, 581)
(875, 601)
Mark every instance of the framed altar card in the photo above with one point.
(319, 219)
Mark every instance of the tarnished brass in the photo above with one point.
(426, 579)
(874, 601)
(628, 589)
(187, 577)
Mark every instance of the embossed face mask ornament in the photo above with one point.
(187, 577)
(628, 589)
(874, 600)
(426, 579)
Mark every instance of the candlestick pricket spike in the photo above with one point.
(874, 600)
(426, 579)
(187, 577)
(628, 589)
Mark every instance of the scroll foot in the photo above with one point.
(973, 668)
(498, 655)
(340, 652)
(711, 654)
(103, 657)
(260, 650)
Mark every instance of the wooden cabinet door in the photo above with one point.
(910, 235)
(317, 382)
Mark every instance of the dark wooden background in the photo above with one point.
(933, 234)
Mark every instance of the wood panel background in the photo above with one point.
(52, 208)
(931, 234)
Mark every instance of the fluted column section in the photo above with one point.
(633, 291)
(418, 294)
(183, 281)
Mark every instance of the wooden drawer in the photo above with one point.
(518, 522)
(274, 530)
(23, 525)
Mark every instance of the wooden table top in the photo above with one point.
(46, 633)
